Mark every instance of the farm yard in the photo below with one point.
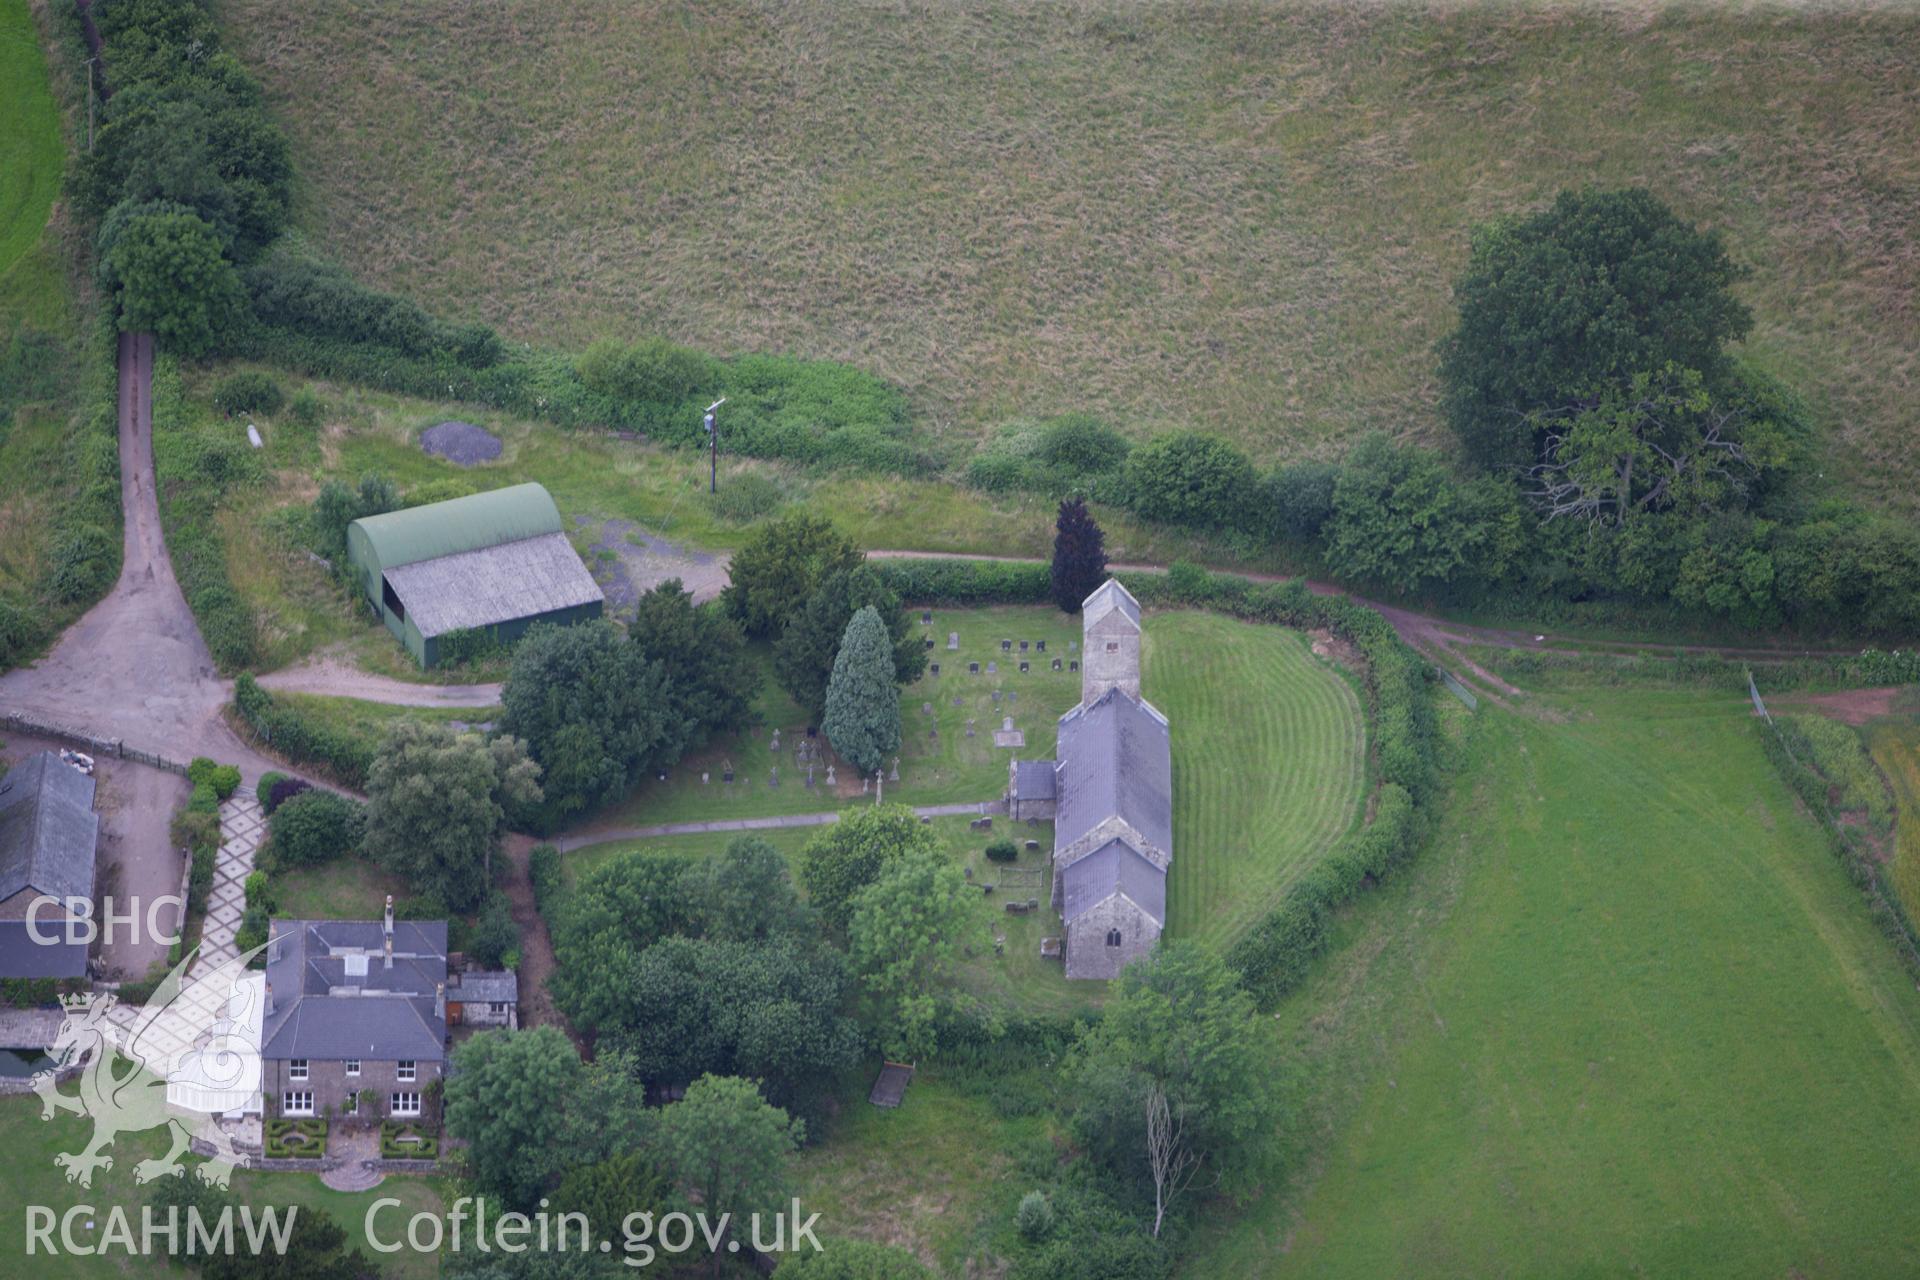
(1627, 993)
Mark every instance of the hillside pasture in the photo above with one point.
(1238, 215)
(1626, 1016)
(32, 157)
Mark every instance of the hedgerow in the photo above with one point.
(286, 731)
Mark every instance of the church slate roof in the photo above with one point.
(1033, 779)
(1114, 759)
(1114, 868)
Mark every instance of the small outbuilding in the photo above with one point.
(493, 563)
(49, 835)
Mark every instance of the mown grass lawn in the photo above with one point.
(29, 1177)
(1627, 1016)
(1269, 764)
(1246, 216)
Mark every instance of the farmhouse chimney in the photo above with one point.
(269, 1001)
(440, 1001)
(387, 923)
(389, 949)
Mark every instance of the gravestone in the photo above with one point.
(829, 775)
(809, 777)
(969, 728)
(1056, 664)
(933, 735)
(957, 701)
(1006, 724)
(704, 777)
(936, 668)
(1006, 646)
(1013, 695)
(1023, 668)
(953, 639)
(893, 775)
(1073, 666)
(973, 668)
(1040, 645)
(773, 778)
(726, 775)
(929, 642)
(926, 618)
(993, 668)
(926, 708)
(996, 695)
(866, 785)
(776, 739)
(1073, 646)
(1023, 646)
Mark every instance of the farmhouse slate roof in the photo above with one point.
(323, 1012)
(1114, 759)
(1115, 867)
(48, 829)
(493, 584)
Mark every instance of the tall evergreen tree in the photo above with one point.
(863, 702)
(803, 656)
(1079, 556)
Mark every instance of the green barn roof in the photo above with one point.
(461, 524)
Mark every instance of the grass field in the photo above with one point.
(32, 157)
(1242, 215)
(1269, 761)
(1627, 1016)
(1895, 744)
(934, 1175)
(29, 1177)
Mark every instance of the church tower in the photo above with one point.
(1109, 643)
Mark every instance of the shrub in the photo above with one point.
(191, 829)
(83, 556)
(315, 827)
(494, 934)
(203, 800)
(1034, 1217)
(305, 408)
(247, 392)
(1003, 851)
(284, 790)
(1298, 500)
(223, 778)
(344, 755)
(543, 870)
(651, 371)
(259, 891)
(1190, 479)
(263, 790)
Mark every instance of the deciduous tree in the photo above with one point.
(780, 566)
(172, 278)
(729, 1150)
(504, 1096)
(909, 931)
(852, 853)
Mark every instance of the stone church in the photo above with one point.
(1110, 796)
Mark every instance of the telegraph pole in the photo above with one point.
(713, 447)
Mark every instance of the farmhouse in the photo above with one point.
(494, 563)
(353, 1006)
(48, 835)
(1110, 795)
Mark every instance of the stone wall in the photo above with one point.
(1089, 956)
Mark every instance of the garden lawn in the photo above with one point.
(1269, 763)
(29, 1177)
(1626, 1015)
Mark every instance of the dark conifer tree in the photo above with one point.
(1079, 556)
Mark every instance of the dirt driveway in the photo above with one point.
(134, 666)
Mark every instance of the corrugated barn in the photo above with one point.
(496, 562)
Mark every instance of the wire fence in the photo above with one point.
(1458, 690)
